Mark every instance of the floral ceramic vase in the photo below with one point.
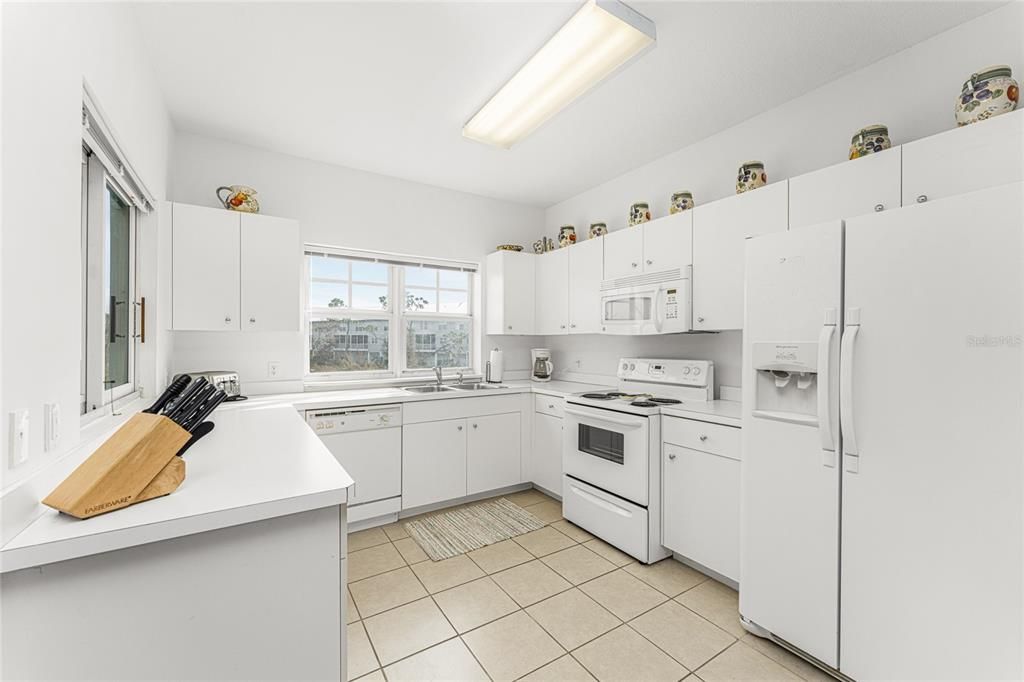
(566, 236)
(986, 94)
(680, 202)
(639, 213)
(750, 176)
(869, 140)
(597, 230)
(239, 198)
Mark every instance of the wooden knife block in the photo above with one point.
(135, 464)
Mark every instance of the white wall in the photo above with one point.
(341, 207)
(48, 50)
(912, 92)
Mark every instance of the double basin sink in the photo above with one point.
(437, 388)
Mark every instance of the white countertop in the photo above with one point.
(726, 412)
(259, 462)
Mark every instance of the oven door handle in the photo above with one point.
(604, 418)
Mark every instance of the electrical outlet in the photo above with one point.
(273, 368)
(51, 426)
(17, 432)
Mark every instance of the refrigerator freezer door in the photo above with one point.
(789, 531)
(932, 522)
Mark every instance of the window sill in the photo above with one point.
(312, 385)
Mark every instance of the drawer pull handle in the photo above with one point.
(460, 428)
(921, 198)
(879, 208)
(703, 437)
(672, 455)
(551, 407)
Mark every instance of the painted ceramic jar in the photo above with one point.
(680, 202)
(239, 198)
(566, 235)
(869, 140)
(750, 176)
(986, 94)
(639, 213)
(597, 230)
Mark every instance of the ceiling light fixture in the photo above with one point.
(601, 37)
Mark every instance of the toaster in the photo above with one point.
(225, 380)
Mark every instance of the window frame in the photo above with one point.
(398, 370)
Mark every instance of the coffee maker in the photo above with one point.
(540, 364)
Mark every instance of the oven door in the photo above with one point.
(609, 450)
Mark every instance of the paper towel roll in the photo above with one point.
(497, 369)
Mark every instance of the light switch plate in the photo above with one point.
(273, 368)
(17, 434)
(51, 426)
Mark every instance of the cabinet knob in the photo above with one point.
(700, 319)
(671, 455)
(227, 318)
(572, 326)
(510, 327)
(563, 326)
(703, 437)
(551, 406)
(460, 428)
(921, 198)
(879, 208)
(650, 262)
(252, 320)
(474, 426)
(633, 264)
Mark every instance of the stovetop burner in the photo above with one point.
(664, 401)
(598, 396)
(644, 403)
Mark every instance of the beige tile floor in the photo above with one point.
(554, 604)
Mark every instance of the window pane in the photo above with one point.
(348, 345)
(454, 302)
(420, 277)
(421, 300)
(118, 285)
(437, 343)
(369, 272)
(329, 268)
(369, 297)
(329, 295)
(453, 279)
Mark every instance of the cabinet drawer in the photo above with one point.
(549, 404)
(713, 438)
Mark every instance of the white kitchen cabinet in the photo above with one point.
(493, 452)
(981, 155)
(234, 271)
(623, 253)
(205, 268)
(433, 462)
(668, 243)
(546, 461)
(509, 292)
(552, 292)
(851, 188)
(701, 507)
(720, 229)
(586, 270)
(271, 251)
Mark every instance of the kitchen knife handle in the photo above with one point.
(171, 392)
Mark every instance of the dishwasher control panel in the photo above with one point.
(347, 419)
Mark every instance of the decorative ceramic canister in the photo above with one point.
(597, 230)
(239, 198)
(750, 176)
(680, 202)
(986, 94)
(566, 235)
(869, 140)
(538, 246)
(639, 213)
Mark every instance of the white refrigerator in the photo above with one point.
(883, 439)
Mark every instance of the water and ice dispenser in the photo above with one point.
(787, 381)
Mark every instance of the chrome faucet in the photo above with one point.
(437, 372)
(458, 377)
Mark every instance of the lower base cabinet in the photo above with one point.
(433, 462)
(547, 453)
(493, 453)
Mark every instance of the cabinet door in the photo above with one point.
(981, 155)
(494, 452)
(205, 269)
(271, 273)
(623, 253)
(701, 508)
(547, 453)
(433, 462)
(510, 292)
(586, 268)
(719, 232)
(668, 243)
(552, 295)
(852, 188)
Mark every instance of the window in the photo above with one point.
(382, 316)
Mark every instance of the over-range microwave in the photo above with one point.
(647, 304)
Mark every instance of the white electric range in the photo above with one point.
(612, 451)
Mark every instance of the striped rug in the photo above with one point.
(464, 529)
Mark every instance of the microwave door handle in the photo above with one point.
(657, 309)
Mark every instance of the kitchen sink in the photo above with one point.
(433, 388)
(476, 387)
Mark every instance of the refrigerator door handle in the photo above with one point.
(846, 423)
(828, 444)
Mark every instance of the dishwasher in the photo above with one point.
(368, 443)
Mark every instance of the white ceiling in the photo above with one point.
(386, 87)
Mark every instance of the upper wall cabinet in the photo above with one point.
(657, 246)
(719, 232)
(974, 157)
(509, 292)
(234, 271)
(552, 292)
(586, 269)
(851, 188)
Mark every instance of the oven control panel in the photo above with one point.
(680, 372)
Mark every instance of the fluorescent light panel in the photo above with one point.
(601, 37)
